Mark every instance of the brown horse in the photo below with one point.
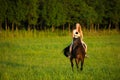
(77, 53)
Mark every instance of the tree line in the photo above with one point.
(45, 14)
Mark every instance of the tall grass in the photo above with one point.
(47, 33)
(31, 34)
(38, 55)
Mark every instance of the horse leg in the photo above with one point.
(77, 62)
(71, 60)
(82, 62)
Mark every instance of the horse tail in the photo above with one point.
(66, 51)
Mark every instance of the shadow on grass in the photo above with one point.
(11, 64)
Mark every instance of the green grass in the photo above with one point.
(38, 56)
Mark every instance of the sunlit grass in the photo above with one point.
(38, 56)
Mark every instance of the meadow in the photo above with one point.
(38, 56)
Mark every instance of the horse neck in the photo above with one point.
(80, 41)
(77, 40)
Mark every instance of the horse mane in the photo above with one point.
(77, 42)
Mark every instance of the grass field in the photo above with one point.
(31, 57)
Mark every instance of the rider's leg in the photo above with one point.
(85, 47)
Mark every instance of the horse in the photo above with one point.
(77, 53)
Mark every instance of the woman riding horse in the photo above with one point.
(77, 49)
(78, 33)
(78, 52)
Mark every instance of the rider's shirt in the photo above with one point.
(76, 34)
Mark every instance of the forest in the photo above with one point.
(60, 14)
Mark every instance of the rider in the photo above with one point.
(78, 33)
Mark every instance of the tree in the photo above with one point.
(115, 13)
(53, 13)
(112, 12)
(20, 12)
(79, 11)
(32, 12)
(3, 9)
(98, 7)
(3, 12)
(11, 11)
